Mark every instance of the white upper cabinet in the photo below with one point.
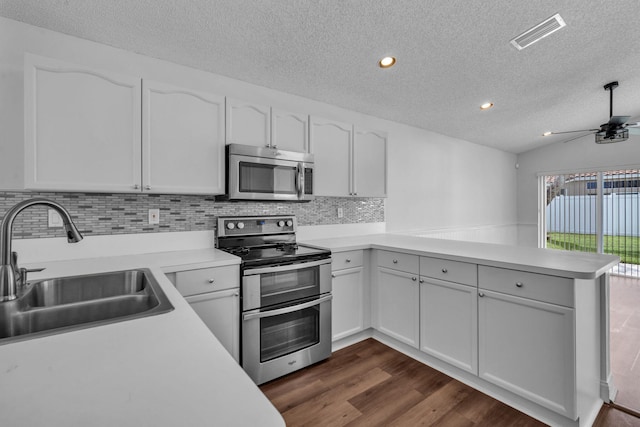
(331, 146)
(82, 128)
(349, 163)
(182, 140)
(253, 124)
(289, 131)
(369, 163)
(248, 123)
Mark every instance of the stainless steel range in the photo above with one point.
(285, 295)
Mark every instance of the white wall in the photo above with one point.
(439, 183)
(435, 182)
(579, 155)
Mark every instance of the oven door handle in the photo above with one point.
(270, 313)
(288, 267)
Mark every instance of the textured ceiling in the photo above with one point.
(453, 55)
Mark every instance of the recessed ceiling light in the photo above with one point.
(486, 105)
(547, 133)
(387, 62)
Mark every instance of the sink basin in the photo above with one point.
(64, 304)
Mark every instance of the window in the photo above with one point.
(577, 216)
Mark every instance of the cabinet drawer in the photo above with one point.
(399, 261)
(203, 280)
(540, 287)
(348, 259)
(452, 271)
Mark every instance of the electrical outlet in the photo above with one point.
(340, 213)
(55, 220)
(154, 216)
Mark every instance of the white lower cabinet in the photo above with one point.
(398, 305)
(347, 306)
(449, 322)
(528, 347)
(220, 311)
(214, 294)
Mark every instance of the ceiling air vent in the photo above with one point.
(539, 32)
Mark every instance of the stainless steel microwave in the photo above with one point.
(264, 173)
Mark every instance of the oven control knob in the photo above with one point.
(280, 223)
(231, 225)
(289, 223)
(240, 225)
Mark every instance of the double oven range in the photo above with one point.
(285, 295)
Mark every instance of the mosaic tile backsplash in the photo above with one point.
(103, 214)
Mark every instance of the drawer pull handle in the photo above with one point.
(480, 294)
(395, 261)
(211, 280)
(444, 270)
(414, 278)
(348, 260)
(236, 294)
(421, 280)
(519, 284)
(333, 275)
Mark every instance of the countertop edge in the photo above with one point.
(575, 265)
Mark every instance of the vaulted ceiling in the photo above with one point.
(452, 55)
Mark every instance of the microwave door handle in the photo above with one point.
(300, 180)
(285, 310)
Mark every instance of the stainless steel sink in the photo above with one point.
(64, 304)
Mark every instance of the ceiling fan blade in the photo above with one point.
(634, 131)
(577, 137)
(573, 131)
(618, 120)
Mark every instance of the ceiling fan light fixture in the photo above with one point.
(387, 62)
(608, 137)
(486, 105)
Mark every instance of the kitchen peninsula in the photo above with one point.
(527, 326)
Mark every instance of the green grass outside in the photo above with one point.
(627, 248)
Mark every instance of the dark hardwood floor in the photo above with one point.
(370, 384)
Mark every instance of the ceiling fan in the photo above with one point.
(615, 130)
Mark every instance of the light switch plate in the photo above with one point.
(154, 216)
(55, 220)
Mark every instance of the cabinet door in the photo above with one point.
(82, 128)
(182, 140)
(528, 347)
(248, 124)
(398, 305)
(220, 311)
(449, 322)
(331, 147)
(369, 164)
(347, 313)
(289, 131)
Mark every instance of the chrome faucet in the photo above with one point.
(12, 277)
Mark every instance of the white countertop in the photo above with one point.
(575, 265)
(163, 370)
(169, 369)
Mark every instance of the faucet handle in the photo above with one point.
(14, 258)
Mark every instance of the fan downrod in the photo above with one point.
(610, 87)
